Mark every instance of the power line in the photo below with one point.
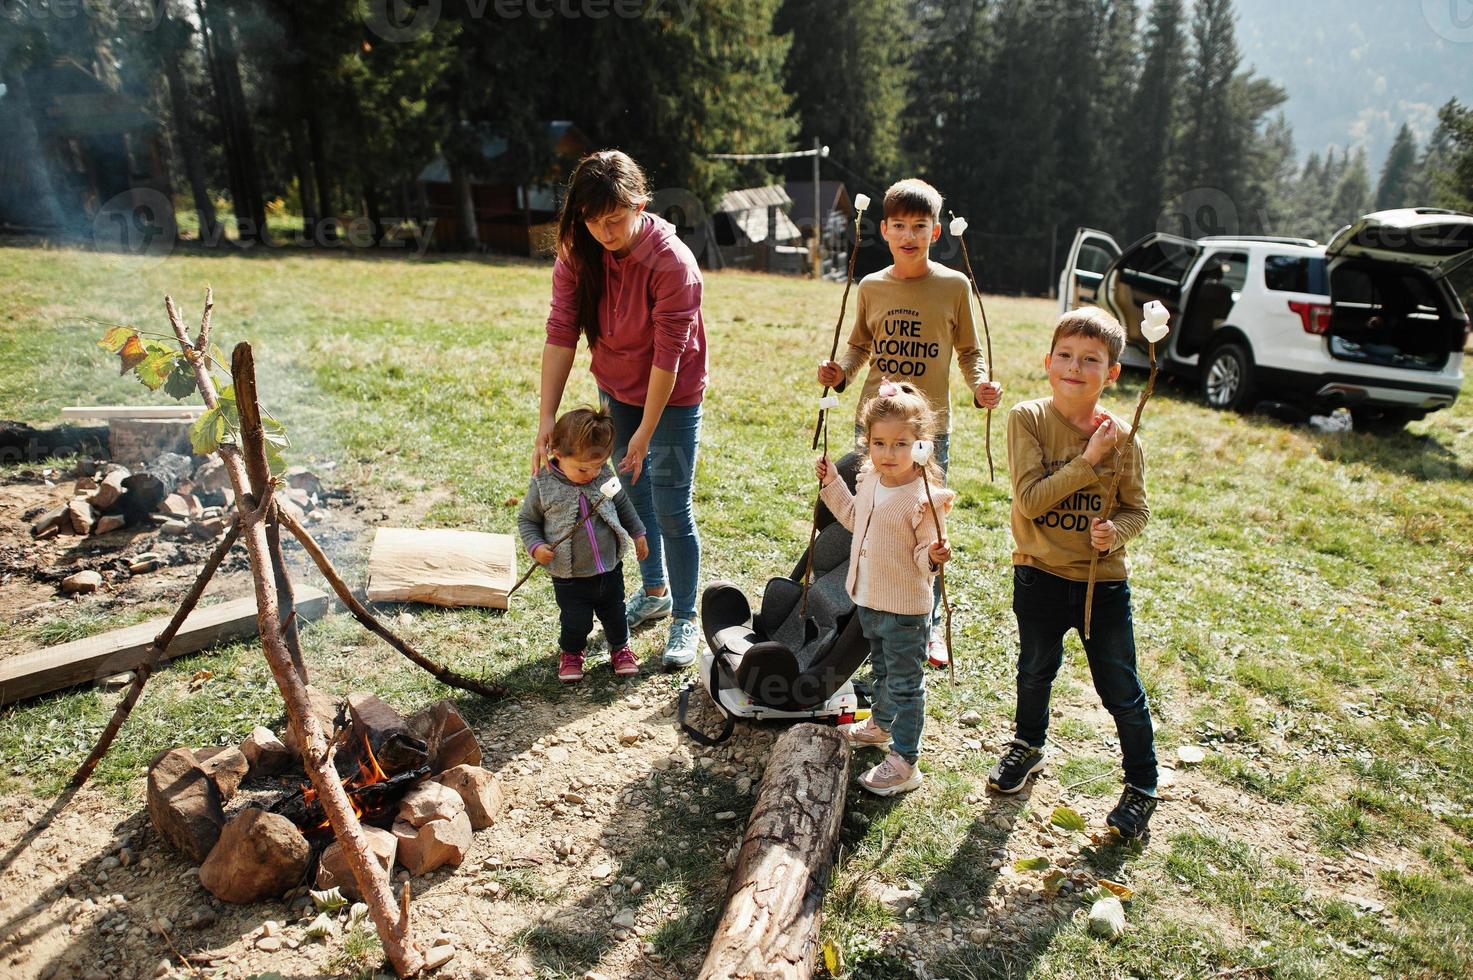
(820, 151)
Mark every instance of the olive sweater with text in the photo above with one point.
(1057, 493)
(908, 330)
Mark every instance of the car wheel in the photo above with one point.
(1227, 377)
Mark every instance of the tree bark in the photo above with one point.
(465, 206)
(769, 927)
(317, 142)
(303, 163)
(176, 41)
(250, 207)
(390, 919)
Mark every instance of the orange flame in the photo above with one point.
(369, 773)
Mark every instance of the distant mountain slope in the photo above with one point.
(1356, 69)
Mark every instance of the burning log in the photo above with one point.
(150, 484)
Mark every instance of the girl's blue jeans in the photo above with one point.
(897, 655)
(663, 496)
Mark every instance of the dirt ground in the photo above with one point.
(608, 805)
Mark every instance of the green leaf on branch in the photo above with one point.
(1030, 864)
(115, 338)
(155, 369)
(1068, 819)
(204, 436)
(181, 381)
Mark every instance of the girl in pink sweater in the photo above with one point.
(892, 562)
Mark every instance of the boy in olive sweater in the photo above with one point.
(1063, 453)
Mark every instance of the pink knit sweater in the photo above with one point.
(891, 542)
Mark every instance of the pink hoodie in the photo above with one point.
(650, 315)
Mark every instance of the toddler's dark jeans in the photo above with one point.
(580, 599)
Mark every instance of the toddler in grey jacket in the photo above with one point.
(578, 523)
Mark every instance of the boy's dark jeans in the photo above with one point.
(1047, 607)
(580, 599)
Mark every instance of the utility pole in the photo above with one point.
(818, 151)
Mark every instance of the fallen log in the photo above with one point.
(769, 926)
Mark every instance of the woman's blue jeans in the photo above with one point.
(663, 496)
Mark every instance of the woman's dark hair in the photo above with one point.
(600, 183)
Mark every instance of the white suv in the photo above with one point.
(1368, 321)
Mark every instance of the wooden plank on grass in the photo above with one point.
(441, 566)
(106, 412)
(95, 657)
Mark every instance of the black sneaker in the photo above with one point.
(1132, 815)
(1011, 773)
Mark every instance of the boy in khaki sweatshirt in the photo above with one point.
(914, 317)
(1063, 453)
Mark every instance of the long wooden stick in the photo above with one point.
(404, 955)
(160, 646)
(373, 884)
(374, 625)
(945, 602)
(1135, 424)
(839, 325)
(554, 546)
(813, 525)
(986, 332)
(259, 472)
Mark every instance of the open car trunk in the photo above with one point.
(1392, 314)
(1390, 300)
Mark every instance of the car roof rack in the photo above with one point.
(1273, 239)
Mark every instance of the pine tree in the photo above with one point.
(848, 76)
(1453, 181)
(1393, 191)
(1152, 118)
(1437, 155)
(1353, 193)
(1210, 154)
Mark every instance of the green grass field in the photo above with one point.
(1302, 605)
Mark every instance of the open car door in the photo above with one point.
(1084, 270)
(1153, 268)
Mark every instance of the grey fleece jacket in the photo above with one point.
(554, 504)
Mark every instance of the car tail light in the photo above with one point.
(1315, 317)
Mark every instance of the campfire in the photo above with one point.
(255, 823)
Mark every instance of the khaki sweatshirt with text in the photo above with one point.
(1056, 493)
(908, 329)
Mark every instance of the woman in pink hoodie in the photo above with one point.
(631, 288)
